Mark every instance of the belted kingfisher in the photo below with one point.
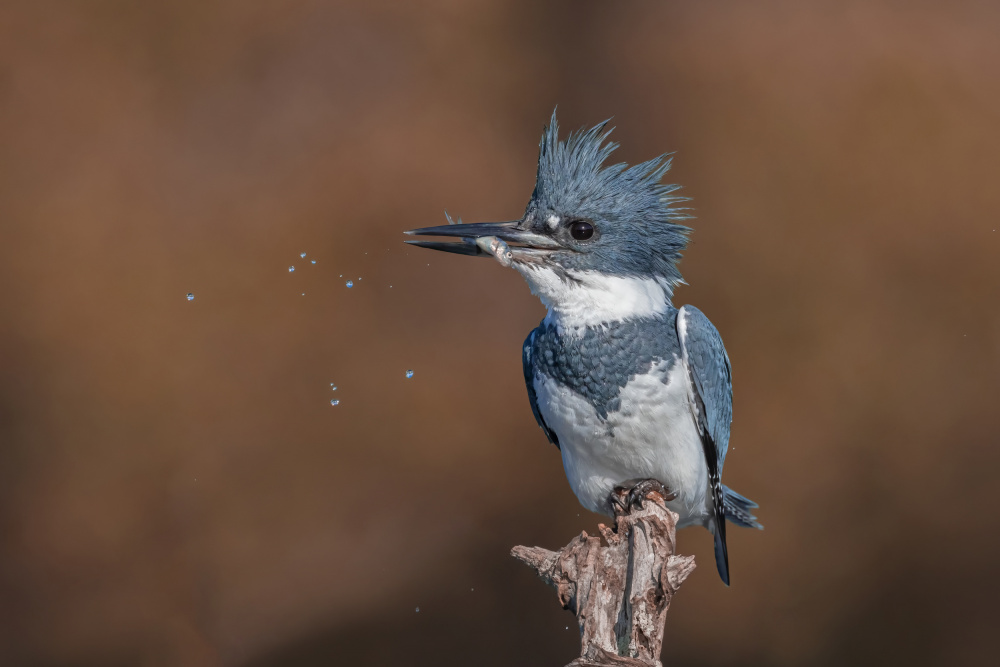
(627, 386)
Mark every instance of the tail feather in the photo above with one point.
(721, 552)
(737, 509)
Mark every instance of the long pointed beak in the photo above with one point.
(524, 243)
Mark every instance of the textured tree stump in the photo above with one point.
(620, 593)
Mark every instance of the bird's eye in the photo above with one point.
(581, 230)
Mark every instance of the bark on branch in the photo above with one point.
(620, 593)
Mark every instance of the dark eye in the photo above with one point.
(581, 230)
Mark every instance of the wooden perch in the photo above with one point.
(620, 593)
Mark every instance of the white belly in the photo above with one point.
(653, 435)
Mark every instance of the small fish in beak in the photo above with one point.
(492, 245)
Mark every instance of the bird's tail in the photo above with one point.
(721, 552)
(737, 509)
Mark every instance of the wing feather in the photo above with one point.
(712, 387)
(529, 382)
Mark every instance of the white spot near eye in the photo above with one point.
(553, 221)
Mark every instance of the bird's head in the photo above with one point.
(596, 243)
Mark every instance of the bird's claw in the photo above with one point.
(631, 494)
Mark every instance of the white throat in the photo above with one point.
(591, 298)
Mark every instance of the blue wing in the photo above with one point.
(711, 381)
(529, 382)
(711, 376)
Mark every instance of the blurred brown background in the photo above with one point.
(175, 487)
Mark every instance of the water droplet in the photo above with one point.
(333, 387)
(190, 296)
(418, 610)
(302, 255)
(291, 269)
(314, 261)
(334, 402)
(409, 374)
(350, 283)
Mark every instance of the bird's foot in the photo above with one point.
(631, 494)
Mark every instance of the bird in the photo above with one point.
(635, 392)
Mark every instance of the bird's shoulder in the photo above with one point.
(702, 346)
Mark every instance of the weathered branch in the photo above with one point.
(620, 593)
